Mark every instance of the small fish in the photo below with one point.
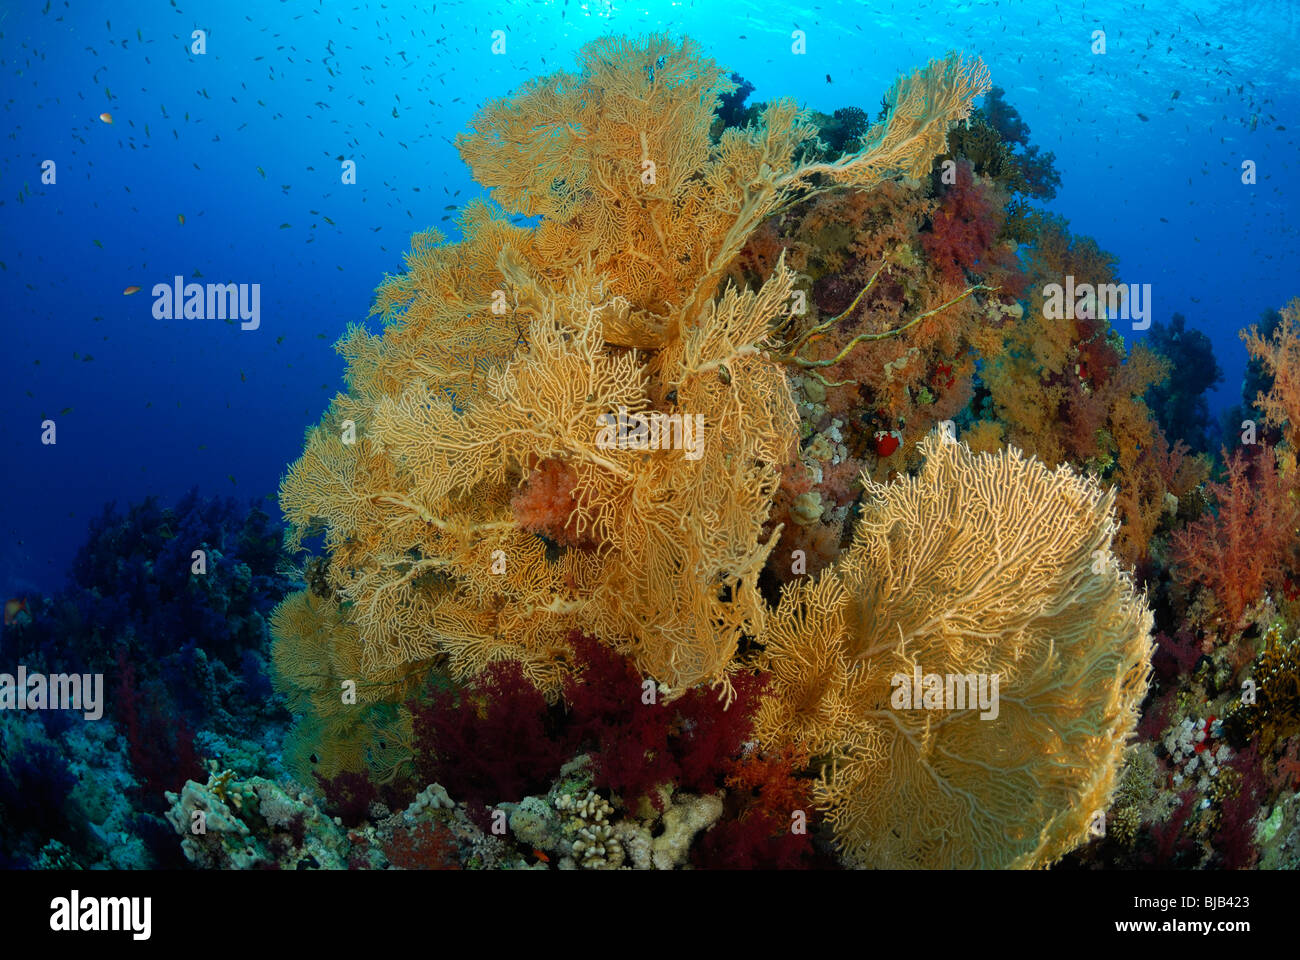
(828, 78)
(65, 411)
(262, 172)
(536, 853)
(181, 218)
(130, 290)
(106, 117)
(14, 609)
(1143, 117)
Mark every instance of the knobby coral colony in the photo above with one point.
(471, 518)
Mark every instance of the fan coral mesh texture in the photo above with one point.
(501, 352)
(981, 564)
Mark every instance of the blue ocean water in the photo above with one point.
(244, 141)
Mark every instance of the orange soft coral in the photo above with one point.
(545, 505)
(1248, 546)
(1067, 392)
(1280, 353)
(807, 543)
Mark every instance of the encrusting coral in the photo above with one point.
(520, 346)
(982, 565)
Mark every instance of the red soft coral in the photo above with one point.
(348, 796)
(493, 741)
(708, 735)
(637, 746)
(1287, 771)
(1175, 656)
(628, 738)
(1168, 833)
(964, 229)
(159, 740)
(1235, 839)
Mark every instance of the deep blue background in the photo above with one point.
(290, 87)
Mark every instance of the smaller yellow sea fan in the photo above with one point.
(314, 654)
(988, 566)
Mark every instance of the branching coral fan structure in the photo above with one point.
(982, 565)
(503, 352)
(484, 494)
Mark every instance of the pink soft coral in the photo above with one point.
(545, 504)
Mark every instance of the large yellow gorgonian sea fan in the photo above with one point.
(503, 354)
(982, 565)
